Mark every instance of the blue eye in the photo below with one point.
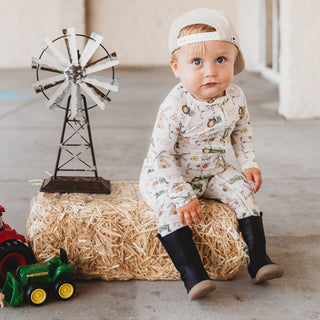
(220, 60)
(197, 61)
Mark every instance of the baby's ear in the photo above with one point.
(175, 68)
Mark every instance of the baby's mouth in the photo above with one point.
(210, 84)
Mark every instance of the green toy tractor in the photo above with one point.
(34, 282)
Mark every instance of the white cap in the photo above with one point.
(216, 19)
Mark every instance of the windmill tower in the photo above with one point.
(78, 79)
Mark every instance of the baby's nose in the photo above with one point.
(210, 69)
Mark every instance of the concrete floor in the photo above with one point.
(288, 153)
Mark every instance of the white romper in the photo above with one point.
(186, 157)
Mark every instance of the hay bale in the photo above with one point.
(113, 237)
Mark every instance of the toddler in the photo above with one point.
(203, 115)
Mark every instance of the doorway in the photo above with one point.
(270, 39)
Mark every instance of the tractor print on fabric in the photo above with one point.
(187, 151)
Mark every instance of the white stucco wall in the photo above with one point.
(25, 23)
(248, 27)
(138, 29)
(299, 60)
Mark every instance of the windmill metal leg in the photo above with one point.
(90, 137)
(62, 138)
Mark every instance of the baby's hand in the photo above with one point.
(189, 212)
(253, 175)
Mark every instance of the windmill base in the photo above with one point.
(76, 184)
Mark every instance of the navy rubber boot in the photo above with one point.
(185, 257)
(260, 268)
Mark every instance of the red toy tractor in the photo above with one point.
(14, 250)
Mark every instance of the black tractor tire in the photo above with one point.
(64, 289)
(13, 253)
(36, 294)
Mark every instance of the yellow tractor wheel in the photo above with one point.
(64, 289)
(36, 295)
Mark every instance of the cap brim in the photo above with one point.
(239, 64)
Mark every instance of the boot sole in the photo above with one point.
(268, 272)
(201, 289)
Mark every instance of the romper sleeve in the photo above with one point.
(242, 138)
(162, 154)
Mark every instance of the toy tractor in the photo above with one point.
(14, 250)
(34, 282)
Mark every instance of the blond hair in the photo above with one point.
(194, 48)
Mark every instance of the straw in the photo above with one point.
(113, 237)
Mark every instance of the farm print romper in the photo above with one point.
(186, 157)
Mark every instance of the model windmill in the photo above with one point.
(78, 79)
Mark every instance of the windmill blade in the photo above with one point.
(44, 65)
(59, 95)
(103, 82)
(102, 64)
(48, 83)
(96, 95)
(92, 45)
(76, 101)
(71, 44)
(48, 45)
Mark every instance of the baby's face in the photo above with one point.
(208, 73)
